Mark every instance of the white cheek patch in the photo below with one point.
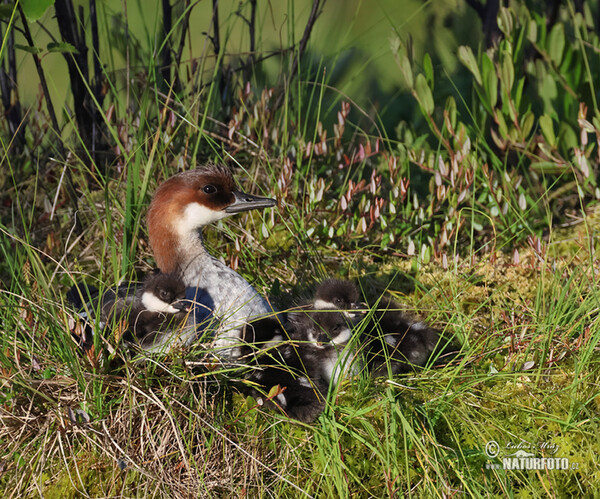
(155, 304)
(195, 216)
(343, 337)
(418, 326)
(324, 305)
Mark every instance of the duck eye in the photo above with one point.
(209, 189)
(164, 295)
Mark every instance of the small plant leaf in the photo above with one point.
(556, 43)
(63, 47)
(428, 69)
(34, 9)
(505, 22)
(424, 94)
(548, 129)
(502, 128)
(527, 123)
(451, 110)
(490, 80)
(401, 53)
(27, 48)
(465, 54)
(532, 31)
(507, 73)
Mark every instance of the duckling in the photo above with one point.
(335, 294)
(394, 343)
(322, 339)
(282, 375)
(390, 335)
(152, 306)
(162, 306)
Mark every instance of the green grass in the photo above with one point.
(529, 372)
(517, 291)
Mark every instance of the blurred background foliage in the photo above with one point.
(419, 128)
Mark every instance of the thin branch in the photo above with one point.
(96, 55)
(97, 86)
(42, 77)
(315, 12)
(9, 89)
(77, 65)
(179, 54)
(252, 33)
(215, 22)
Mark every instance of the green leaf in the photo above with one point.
(527, 124)
(63, 47)
(424, 94)
(27, 48)
(519, 92)
(34, 9)
(428, 69)
(465, 54)
(532, 31)
(502, 128)
(567, 137)
(505, 22)
(507, 73)
(548, 129)
(401, 53)
(490, 80)
(556, 43)
(451, 110)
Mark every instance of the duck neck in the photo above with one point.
(192, 258)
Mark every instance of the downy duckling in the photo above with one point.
(154, 304)
(394, 343)
(335, 294)
(283, 375)
(162, 306)
(322, 338)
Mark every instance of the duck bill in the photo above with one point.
(359, 309)
(181, 306)
(247, 202)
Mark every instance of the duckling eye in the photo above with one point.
(164, 295)
(209, 189)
